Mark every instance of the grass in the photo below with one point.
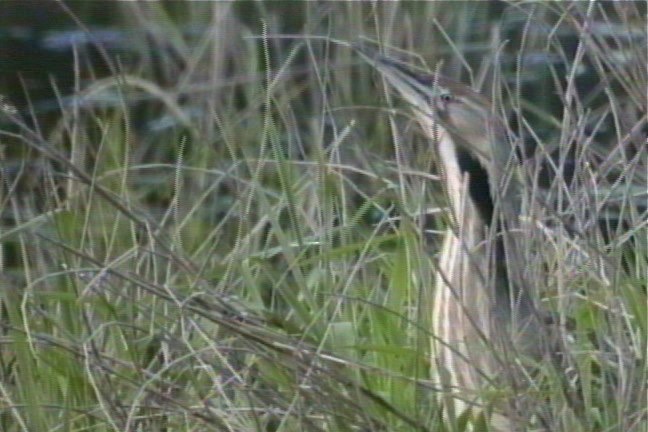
(238, 245)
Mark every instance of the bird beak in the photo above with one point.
(416, 88)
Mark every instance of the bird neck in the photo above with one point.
(503, 174)
(483, 194)
(490, 185)
(466, 182)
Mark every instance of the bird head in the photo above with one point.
(462, 112)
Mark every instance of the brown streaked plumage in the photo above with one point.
(481, 313)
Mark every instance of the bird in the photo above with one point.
(481, 312)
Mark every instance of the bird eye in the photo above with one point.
(446, 97)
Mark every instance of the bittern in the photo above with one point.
(481, 311)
